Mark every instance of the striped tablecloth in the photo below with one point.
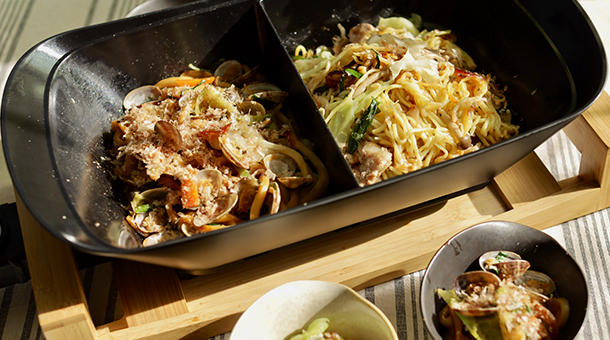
(23, 23)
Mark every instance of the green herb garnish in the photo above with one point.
(362, 124)
(501, 257)
(353, 72)
(144, 208)
(243, 172)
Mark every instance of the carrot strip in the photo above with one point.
(183, 81)
(194, 81)
(190, 196)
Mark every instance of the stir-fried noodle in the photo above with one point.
(202, 152)
(431, 105)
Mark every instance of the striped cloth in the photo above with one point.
(24, 23)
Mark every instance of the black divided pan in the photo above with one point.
(63, 94)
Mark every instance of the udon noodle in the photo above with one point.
(201, 152)
(397, 99)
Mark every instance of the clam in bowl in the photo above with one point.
(290, 308)
(467, 260)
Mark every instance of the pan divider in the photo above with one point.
(160, 305)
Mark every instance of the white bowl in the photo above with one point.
(293, 306)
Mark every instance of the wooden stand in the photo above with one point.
(159, 305)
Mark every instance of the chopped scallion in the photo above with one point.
(143, 208)
(243, 172)
(501, 257)
(378, 60)
(353, 72)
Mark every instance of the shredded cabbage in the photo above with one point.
(398, 23)
(315, 330)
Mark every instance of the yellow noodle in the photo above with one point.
(409, 123)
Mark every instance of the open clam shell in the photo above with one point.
(252, 107)
(141, 95)
(195, 223)
(507, 265)
(474, 282)
(162, 236)
(230, 70)
(491, 257)
(242, 147)
(149, 211)
(476, 289)
(537, 282)
(512, 270)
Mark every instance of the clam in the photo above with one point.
(272, 96)
(290, 181)
(537, 282)
(155, 196)
(251, 89)
(242, 146)
(193, 223)
(295, 181)
(506, 264)
(264, 91)
(487, 260)
(474, 282)
(246, 76)
(284, 168)
(252, 107)
(169, 134)
(476, 289)
(230, 70)
(280, 164)
(512, 270)
(149, 215)
(141, 95)
(162, 236)
(212, 179)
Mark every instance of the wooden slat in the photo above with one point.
(148, 293)
(570, 203)
(526, 182)
(60, 299)
(590, 133)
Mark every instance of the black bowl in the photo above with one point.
(62, 95)
(461, 253)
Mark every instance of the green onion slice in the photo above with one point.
(353, 72)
